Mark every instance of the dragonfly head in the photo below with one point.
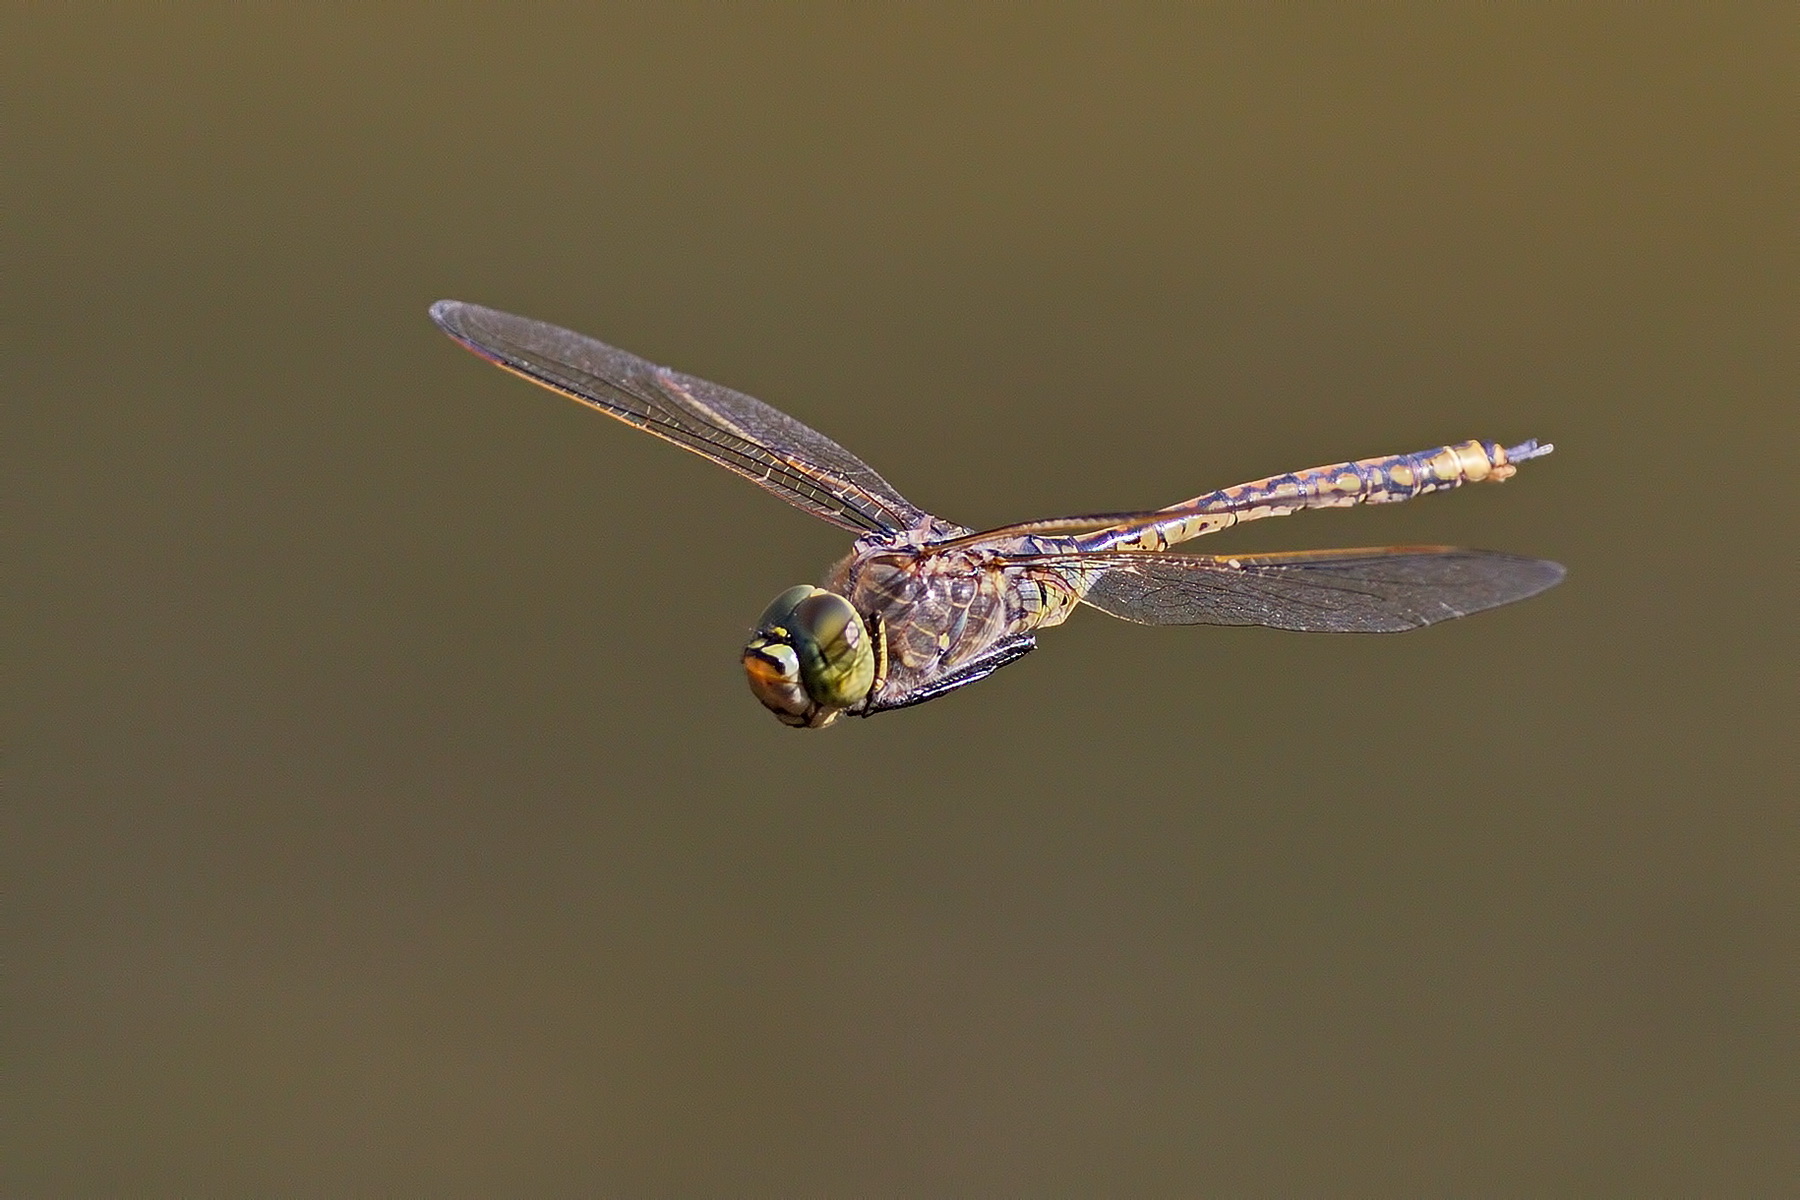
(810, 658)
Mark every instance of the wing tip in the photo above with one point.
(452, 316)
(460, 322)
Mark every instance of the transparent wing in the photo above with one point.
(1380, 590)
(739, 432)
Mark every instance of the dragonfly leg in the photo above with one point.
(1005, 651)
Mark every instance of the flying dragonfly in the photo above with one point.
(921, 606)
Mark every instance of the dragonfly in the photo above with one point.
(920, 606)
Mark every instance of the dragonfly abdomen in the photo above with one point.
(1388, 479)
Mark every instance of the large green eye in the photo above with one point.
(782, 607)
(810, 657)
(836, 660)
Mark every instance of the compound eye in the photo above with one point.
(837, 663)
(782, 607)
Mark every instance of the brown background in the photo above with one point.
(389, 811)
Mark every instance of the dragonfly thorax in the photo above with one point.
(811, 657)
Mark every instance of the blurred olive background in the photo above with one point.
(389, 811)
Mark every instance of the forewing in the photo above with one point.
(739, 432)
(1382, 590)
